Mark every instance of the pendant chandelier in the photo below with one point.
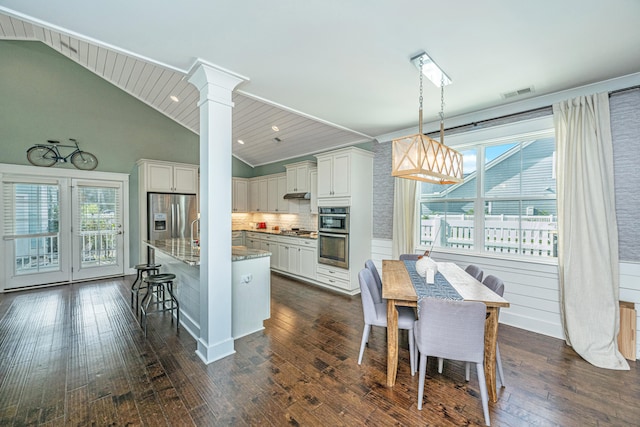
(419, 157)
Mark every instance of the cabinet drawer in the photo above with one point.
(333, 281)
(333, 272)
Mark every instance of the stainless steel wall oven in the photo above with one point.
(333, 236)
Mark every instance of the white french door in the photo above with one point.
(60, 230)
(35, 244)
(97, 231)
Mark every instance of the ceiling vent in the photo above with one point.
(519, 92)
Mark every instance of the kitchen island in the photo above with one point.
(251, 284)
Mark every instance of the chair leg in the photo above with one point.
(134, 290)
(440, 364)
(467, 369)
(365, 339)
(421, 375)
(483, 392)
(412, 353)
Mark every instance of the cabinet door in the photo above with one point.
(283, 256)
(254, 196)
(313, 188)
(272, 196)
(283, 204)
(307, 258)
(185, 179)
(263, 195)
(301, 179)
(159, 177)
(240, 193)
(341, 175)
(294, 267)
(325, 175)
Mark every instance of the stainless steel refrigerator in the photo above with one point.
(171, 215)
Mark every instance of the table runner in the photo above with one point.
(441, 289)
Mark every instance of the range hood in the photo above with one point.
(299, 196)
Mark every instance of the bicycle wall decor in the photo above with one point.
(49, 154)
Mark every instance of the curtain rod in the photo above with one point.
(533, 110)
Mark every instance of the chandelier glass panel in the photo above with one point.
(422, 158)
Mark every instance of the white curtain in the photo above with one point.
(587, 230)
(404, 216)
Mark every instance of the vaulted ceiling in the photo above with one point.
(331, 73)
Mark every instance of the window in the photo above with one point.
(506, 205)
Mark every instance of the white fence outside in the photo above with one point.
(534, 235)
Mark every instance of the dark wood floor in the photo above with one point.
(75, 355)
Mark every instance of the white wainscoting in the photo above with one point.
(531, 288)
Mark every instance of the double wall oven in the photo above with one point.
(333, 236)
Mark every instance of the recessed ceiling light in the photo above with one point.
(174, 98)
(241, 142)
(275, 128)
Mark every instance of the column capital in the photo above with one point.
(214, 83)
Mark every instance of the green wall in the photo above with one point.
(44, 95)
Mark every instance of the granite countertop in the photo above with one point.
(313, 235)
(181, 250)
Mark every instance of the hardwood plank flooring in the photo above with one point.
(75, 355)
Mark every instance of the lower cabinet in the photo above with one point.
(298, 257)
(333, 276)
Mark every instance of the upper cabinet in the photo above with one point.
(334, 173)
(298, 176)
(168, 177)
(240, 200)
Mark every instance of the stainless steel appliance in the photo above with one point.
(333, 220)
(170, 215)
(333, 236)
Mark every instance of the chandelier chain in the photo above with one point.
(442, 99)
(420, 71)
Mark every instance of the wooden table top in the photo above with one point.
(396, 284)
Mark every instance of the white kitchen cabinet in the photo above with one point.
(240, 195)
(313, 188)
(334, 174)
(237, 238)
(283, 257)
(276, 189)
(258, 195)
(298, 176)
(307, 259)
(167, 177)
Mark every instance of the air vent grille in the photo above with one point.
(519, 92)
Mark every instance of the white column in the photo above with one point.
(216, 86)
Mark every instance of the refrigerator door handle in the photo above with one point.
(174, 220)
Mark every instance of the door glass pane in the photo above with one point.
(99, 224)
(32, 218)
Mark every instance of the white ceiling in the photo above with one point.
(332, 72)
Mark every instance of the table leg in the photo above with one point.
(392, 342)
(490, 339)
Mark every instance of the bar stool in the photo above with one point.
(157, 284)
(142, 268)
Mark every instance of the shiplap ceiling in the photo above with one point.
(345, 65)
(154, 85)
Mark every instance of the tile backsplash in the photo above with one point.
(305, 221)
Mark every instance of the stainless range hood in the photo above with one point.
(299, 196)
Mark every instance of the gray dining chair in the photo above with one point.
(377, 296)
(451, 330)
(409, 257)
(475, 271)
(375, 314)
(496, 285)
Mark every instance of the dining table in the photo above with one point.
(398, 289)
